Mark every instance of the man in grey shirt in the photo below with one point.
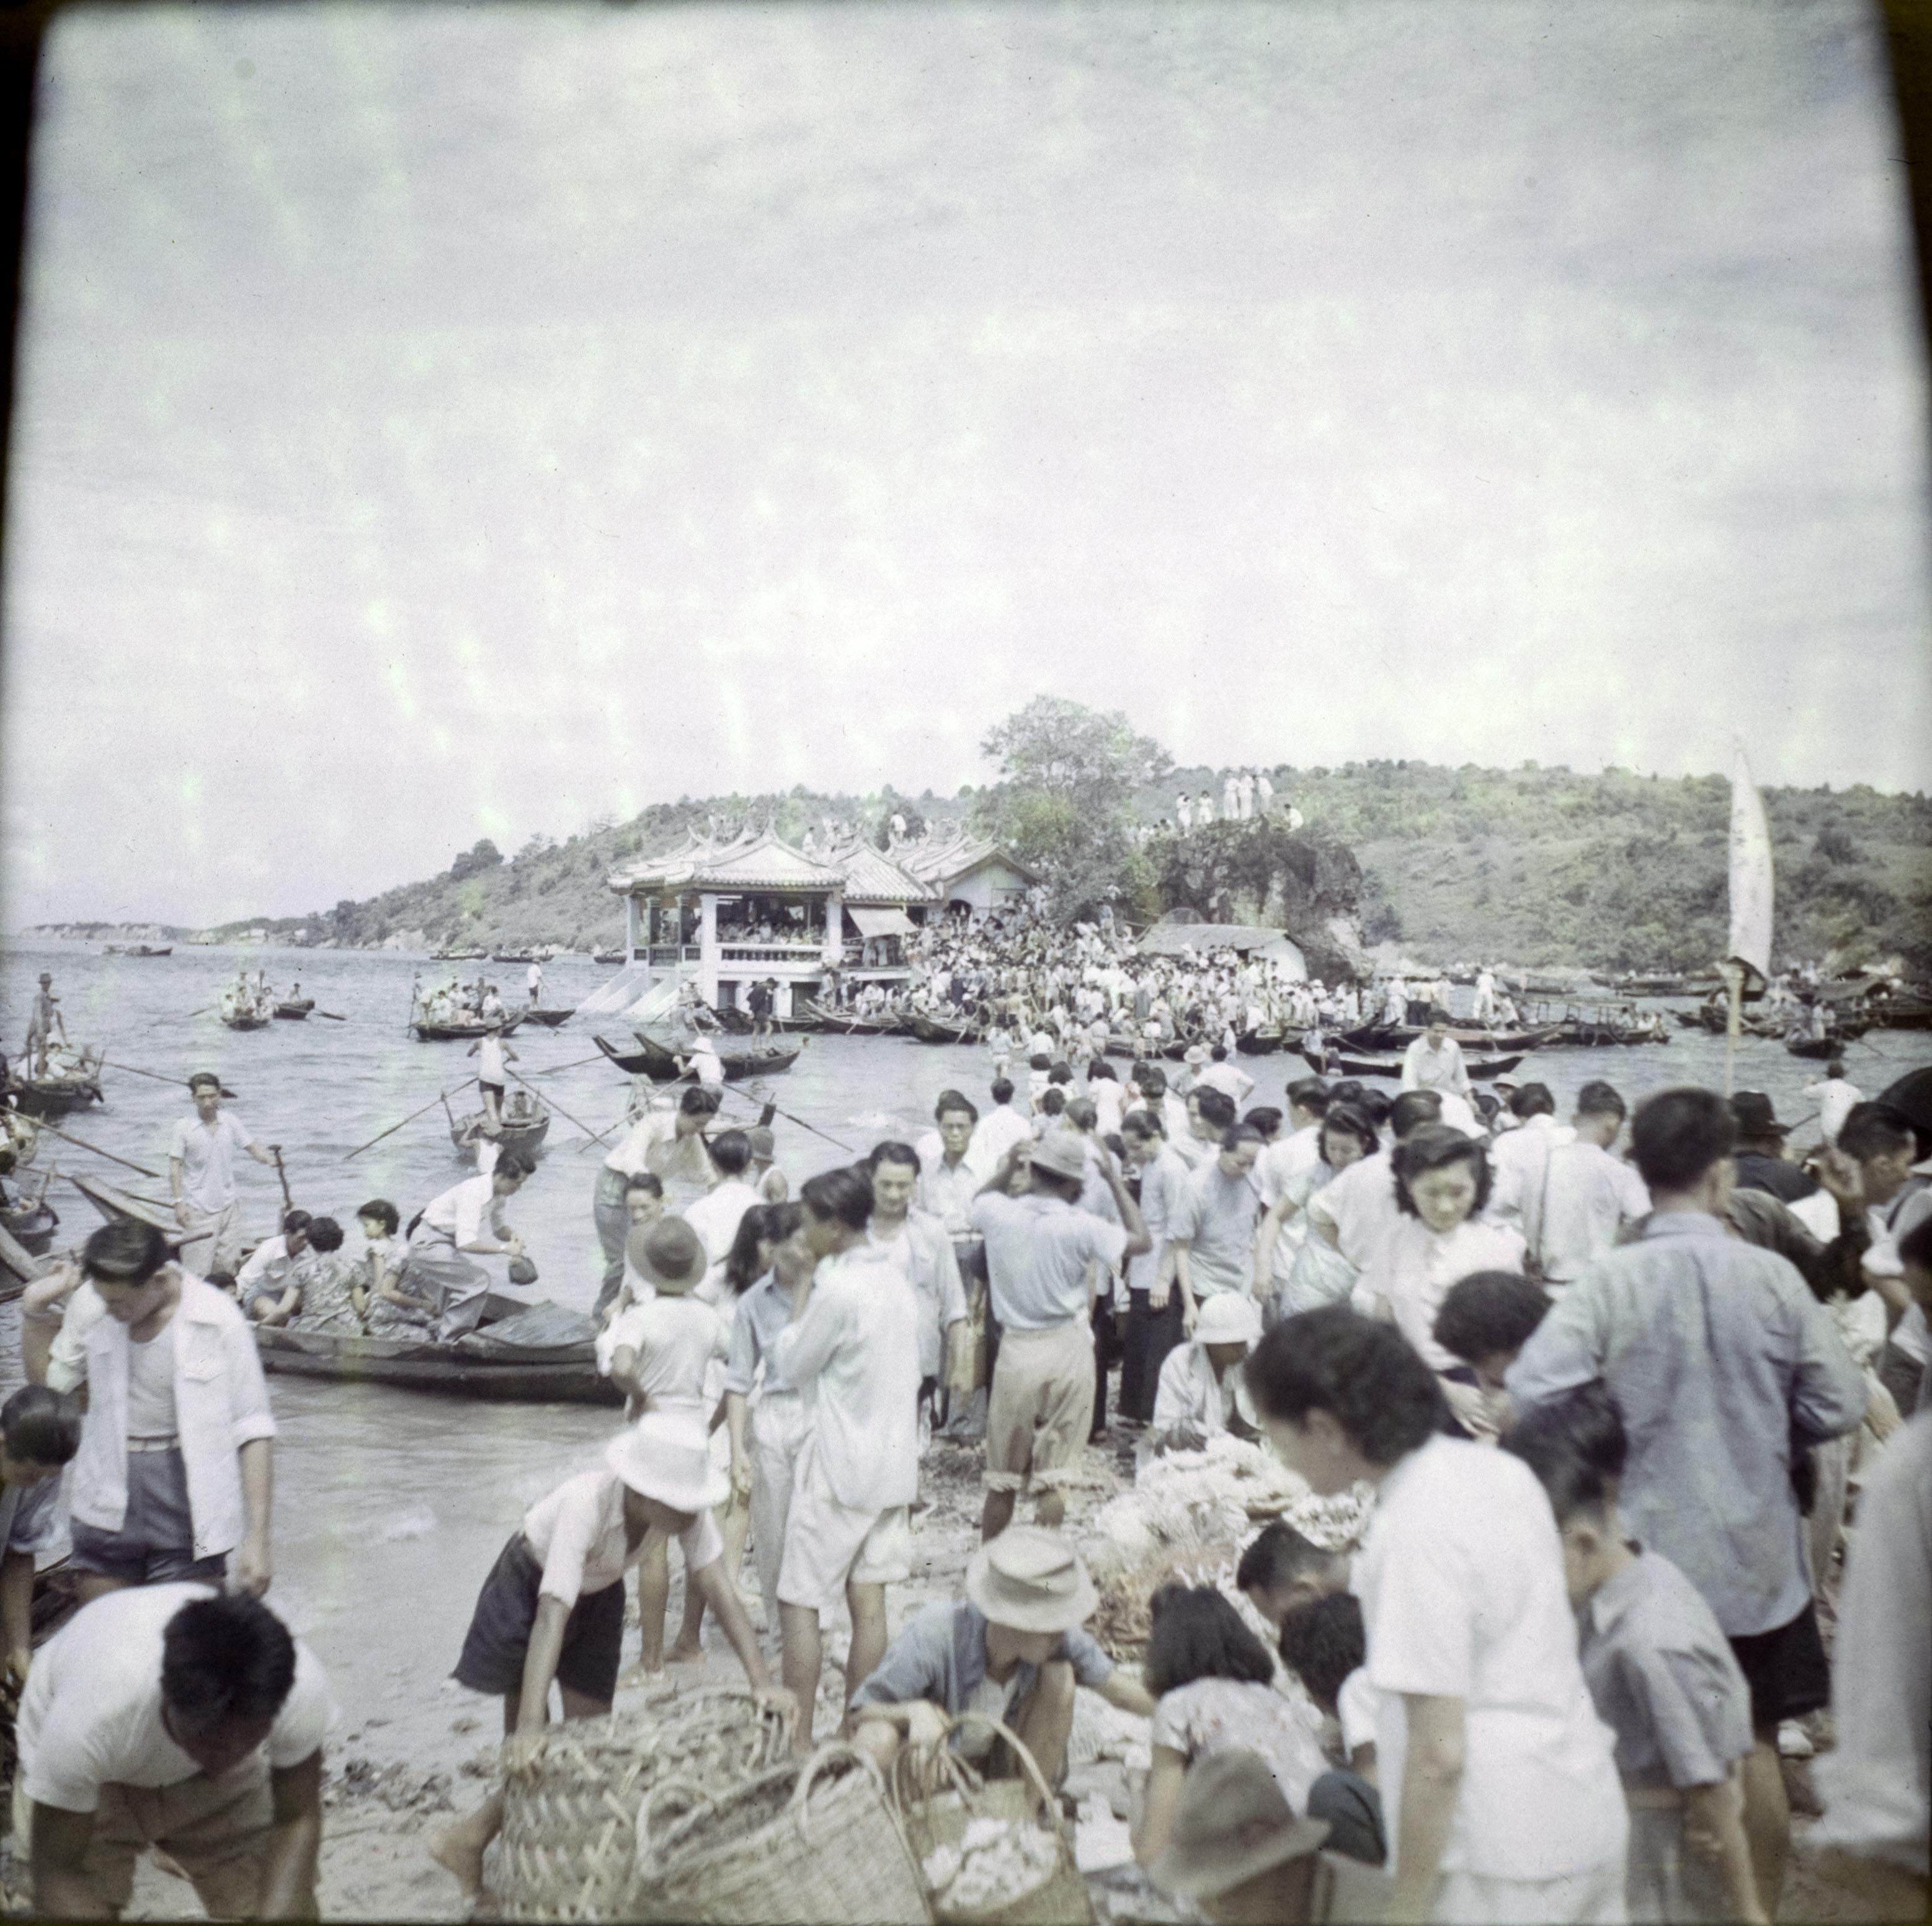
(1213, 1233)
(1724, 1365)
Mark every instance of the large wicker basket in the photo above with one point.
(941, 1818)
(570, 1816)
(819, 1843)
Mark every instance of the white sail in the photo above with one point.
(1751, 883)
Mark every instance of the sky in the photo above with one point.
(449, 422)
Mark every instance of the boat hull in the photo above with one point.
(53, 1097)
(33, 1230)
(295, 1013)
(239, 1022)
(548, 1019)
(463, 1134)
(651, 1059)
(1352, 1063)
(472, 1367)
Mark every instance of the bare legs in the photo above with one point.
(804, 1656)
(734, 1527)
(459, 1849)
(1767, 1817)
(996, 1513)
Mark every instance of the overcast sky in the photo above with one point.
(466, 421)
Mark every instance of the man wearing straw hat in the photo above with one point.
(1011, 1649)
(552, 1610)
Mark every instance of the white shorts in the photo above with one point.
(1592, 1897)
(829, 1545)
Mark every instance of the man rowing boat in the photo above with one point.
(42, 1019)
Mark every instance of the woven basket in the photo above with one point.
(819, 1843)
(941, 1819)
(570, 1816)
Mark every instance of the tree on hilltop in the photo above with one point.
(1065, 804)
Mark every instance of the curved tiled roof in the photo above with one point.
(755, 859)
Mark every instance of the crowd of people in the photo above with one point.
(1637, 1427)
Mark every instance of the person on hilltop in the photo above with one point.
(201, 1178)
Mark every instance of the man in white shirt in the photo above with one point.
(852, 1344)
(465, 1223)
(1434, 1062)
(947, 1182)
(174, 1475)
(670, 1146)
(271, 1261)
(201, 1178)
(533, 982)
(1233, 1082)
(171, 1716)
(1835, 1098)
(1213, 1234)
(1519, 1162)
(1499, 1780)
(922, 1248)
(997, 1131)
(1590, 1197)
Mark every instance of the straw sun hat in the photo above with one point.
(1232, 1823)
(1031, 1579)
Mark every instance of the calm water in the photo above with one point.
(390, 1505)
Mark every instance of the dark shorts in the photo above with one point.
(497, 1087)
(1785, 1668)
(155, 1544)
(498, 1638)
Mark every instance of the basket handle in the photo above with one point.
(828, 1754)
(1028, 1764)
(647, 1845)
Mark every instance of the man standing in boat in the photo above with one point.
(42, 1021)
(533, 982)
(201, 1178)
(492, 1053)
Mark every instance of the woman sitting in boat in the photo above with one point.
(325, 1283)
(387, 1309)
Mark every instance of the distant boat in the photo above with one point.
(246, 1019)
(548, 1019)
(295, 1011)
(466, 1031)
(652, 1059)
(1350, 1063)
(515, 955)
(607, 955)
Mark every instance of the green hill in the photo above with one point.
(1542, 867)
(1531, 866)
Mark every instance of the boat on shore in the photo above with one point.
(520, 1353)
(466, 1031)
(653, 1059)
(1263, 1042)
(941, 1029)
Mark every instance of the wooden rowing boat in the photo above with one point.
(53, 1096)
(653, 1060)
(295, 1011)
(511, 1134)
(1400, 1036)
(522, 1354)
(115, 1204)
(1259, 1043)
(1351, 1063)
(32, 1226)
(549, 1020)
(1819, 1049)
(940, 1030)
(466, 1032)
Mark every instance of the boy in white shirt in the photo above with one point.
(492, 1053)
(1835, 1098)
(1502, 1795)
(853, 1345)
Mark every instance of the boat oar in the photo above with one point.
(179, 1083)
(765, 1105)
(288, 1202)
(441, 1097)
(111, 1156)
(551, 1101)
(576, 1063)
(330, 1014)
